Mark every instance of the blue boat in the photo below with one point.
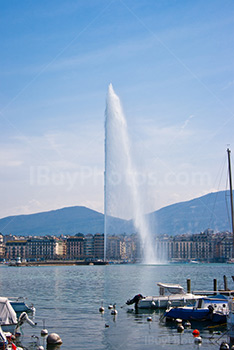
(212, 309)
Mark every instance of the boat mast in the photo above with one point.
(231, 197)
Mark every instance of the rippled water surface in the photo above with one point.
(67, 298)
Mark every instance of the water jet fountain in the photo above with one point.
(122, 196)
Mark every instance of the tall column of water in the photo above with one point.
(122, 197)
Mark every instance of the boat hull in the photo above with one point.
(192, 314)
(9, 328)
(163, 302)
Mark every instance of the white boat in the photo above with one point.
(8, 318)
(169, 295)
(19, 305)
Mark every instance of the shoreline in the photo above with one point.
(58, 263)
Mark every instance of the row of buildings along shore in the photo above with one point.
(205, 247)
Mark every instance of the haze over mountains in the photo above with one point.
(209, 211)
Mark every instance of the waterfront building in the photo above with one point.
(16, 249)
(123, 252)
(61, 248)
(224, 246)
(2, 247)
(98, 245)
(89, 246)
(163, 248)
(75, 247)
(206, 246)
(41, 248)
(113, 247)
(136, 247)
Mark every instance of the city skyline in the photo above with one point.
(206, 246)
(171, 64)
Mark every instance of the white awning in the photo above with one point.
(7, 313)
(172, 288)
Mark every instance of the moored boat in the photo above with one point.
(19, 305)
(9, 322)
(169, 295)
(8, 318)
(212, 309)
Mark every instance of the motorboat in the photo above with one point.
(213, 309)
(19, 305)
(8, 317)
(169, 295)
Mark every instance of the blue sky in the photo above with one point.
(170, 62)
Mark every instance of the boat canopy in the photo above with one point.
(7, 313)
(171, 288)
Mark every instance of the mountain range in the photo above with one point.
(194, 216)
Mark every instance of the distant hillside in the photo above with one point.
(70, 220)
(194, 216)
(209, 211)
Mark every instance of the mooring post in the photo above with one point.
(188, 285)
(225, 282)
(215, 286)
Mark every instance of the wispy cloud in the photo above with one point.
(186, 122)
(229, 85)
(166, 133)
(10, 158)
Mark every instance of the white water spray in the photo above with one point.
(122, 197)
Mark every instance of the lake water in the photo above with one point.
(67, 298)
